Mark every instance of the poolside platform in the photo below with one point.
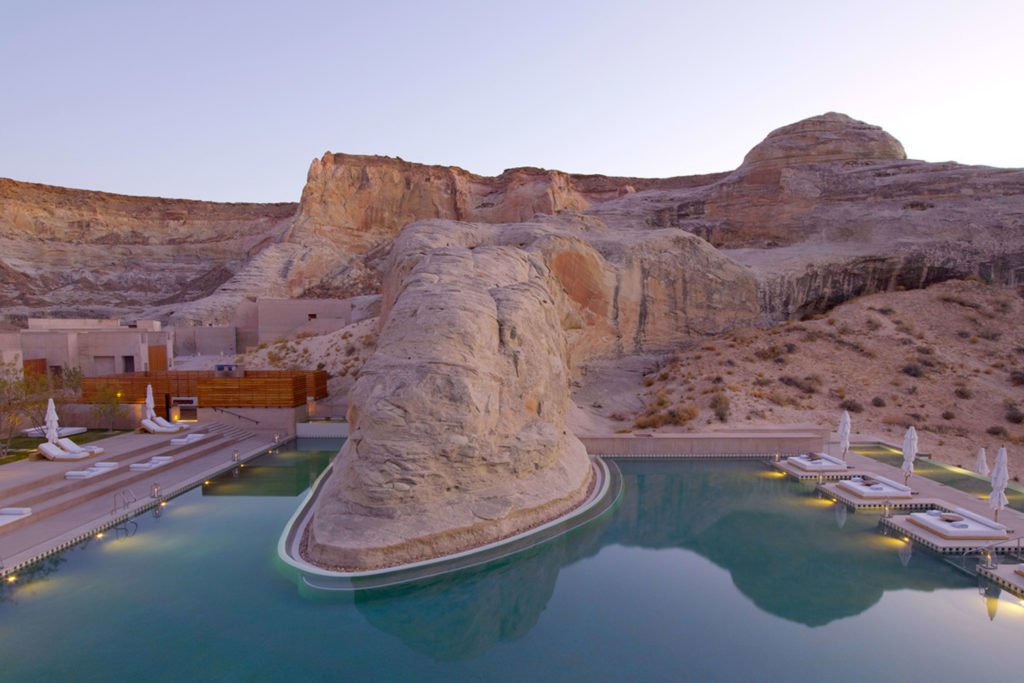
(902, 524)
(793, 469)
(141, 472)
(1009, 577)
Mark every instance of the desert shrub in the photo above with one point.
(1017, 378)
(720, 406)
(808, 385)
(274, 358)
(878, 402)
(781, 399)
(925, 350)
(618, 417)
(769, 352)
(872, 324)
(997, 430)
(948, 415)
(912, 369)
(958, 301)
(762, 381)
(852, 405)
(963, 334)
(885, 310)
(789, 347)
(321, 365)
(990, 334)
(1014, 415)
(963, 392)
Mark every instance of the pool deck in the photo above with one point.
(1005, 576)
(67, 511)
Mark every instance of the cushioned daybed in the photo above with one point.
(874, 487)
(959, 524)
(817, 462)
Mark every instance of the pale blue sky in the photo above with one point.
(230, 100)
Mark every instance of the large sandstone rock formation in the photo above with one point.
(458, 421)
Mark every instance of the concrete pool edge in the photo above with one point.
(603, 498)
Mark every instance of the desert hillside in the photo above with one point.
(948, 359)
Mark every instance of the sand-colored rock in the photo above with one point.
(459, 420)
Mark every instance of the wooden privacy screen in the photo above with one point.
(256, 389)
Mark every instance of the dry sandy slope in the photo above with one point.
(340, 352)
(964, 339)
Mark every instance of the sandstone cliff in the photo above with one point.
(68, 249)
(830, 208)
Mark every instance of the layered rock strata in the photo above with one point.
(66, 248)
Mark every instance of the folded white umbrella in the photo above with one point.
(909, 453)
(150, 404)
(981, 464)
(1000, 478)
(844, 433)
(52, 423)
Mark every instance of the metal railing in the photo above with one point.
(234, 414)
(123, 500)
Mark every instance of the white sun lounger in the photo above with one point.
(155, 461)
(72, 447)
(95, 470)
(8, 515)
(53, 452)
(188, 438)
(154, 428)
(178, 427)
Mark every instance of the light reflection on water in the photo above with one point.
(704, 571)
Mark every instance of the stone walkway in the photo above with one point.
(67, 511)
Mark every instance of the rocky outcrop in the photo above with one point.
(829, 208)
(62, 248)
(458, 421)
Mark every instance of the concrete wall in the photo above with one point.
(279, 318)
(82, 415)
(97, 351)
(206, 341)
(740, 442)
(71, 323)
(280, 420)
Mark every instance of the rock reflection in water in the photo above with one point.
(780, 544)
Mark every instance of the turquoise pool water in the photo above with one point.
(704, 571)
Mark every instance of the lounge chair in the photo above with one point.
(154, 428)
(188, 438)
(1019, 570)
(8, 515)
(170, 425)
(53, 452)
(155, 461)
(95, 470)
(72, 447)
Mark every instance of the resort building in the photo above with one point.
(96, 347)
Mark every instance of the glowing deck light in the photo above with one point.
(99, 535)
(906, 539)
(206, 483)
(12, 578)
(163, 503)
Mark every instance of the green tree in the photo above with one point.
(107, 406)
(12, 400)
(63, 388)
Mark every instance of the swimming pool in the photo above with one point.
(703, 571)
